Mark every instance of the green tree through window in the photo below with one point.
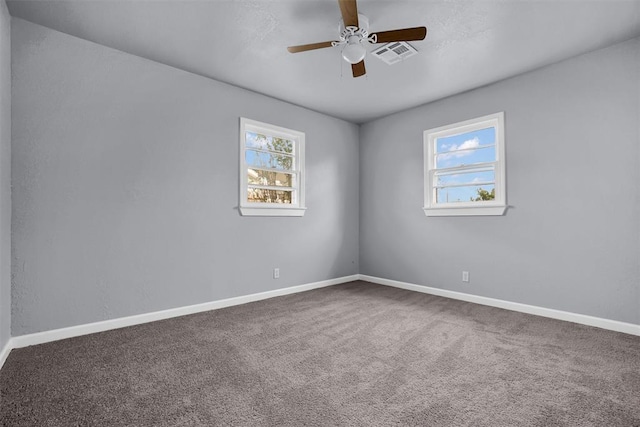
(484, 195)
(280, 161)
(272, 171)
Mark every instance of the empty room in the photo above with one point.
(320, 213)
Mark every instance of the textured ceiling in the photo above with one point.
(469, 43)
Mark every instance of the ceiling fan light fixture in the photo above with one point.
(354, 51)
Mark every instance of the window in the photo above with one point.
(464, 168)
(271, 170)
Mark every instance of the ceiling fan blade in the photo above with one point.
(358, 69)
(311, 46)
(403, 35)
(349, 10)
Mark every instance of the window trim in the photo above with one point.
(496, 207)
(272, 209)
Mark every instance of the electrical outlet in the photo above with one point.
(276, 273)
(465, 276)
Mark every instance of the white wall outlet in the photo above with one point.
(276, 273)
(465, 276)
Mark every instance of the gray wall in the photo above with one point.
(125, 190)
(126, 183)
(571, 240)
(5, 175)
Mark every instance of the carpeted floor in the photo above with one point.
(356, 354)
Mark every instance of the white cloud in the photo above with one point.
(453, 150)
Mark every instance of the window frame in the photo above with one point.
(272, 209)
(496, 207)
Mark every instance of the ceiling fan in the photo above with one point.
(354, 34)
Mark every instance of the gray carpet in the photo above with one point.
(356, 354)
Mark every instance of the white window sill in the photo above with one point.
(271, 211)
(493, 210)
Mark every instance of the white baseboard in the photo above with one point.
(90, 328)
(613, 325)
(4, 353)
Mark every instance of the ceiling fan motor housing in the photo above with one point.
(353, 39)
(362, 30)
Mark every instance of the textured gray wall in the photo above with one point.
(126, 188)
(5, 175)
(571, 241)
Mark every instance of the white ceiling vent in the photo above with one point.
(394, 52)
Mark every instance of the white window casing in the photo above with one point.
(488, 172)
(271, 178)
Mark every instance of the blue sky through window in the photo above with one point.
(465, 149)
(460, 194)
(266, 142)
